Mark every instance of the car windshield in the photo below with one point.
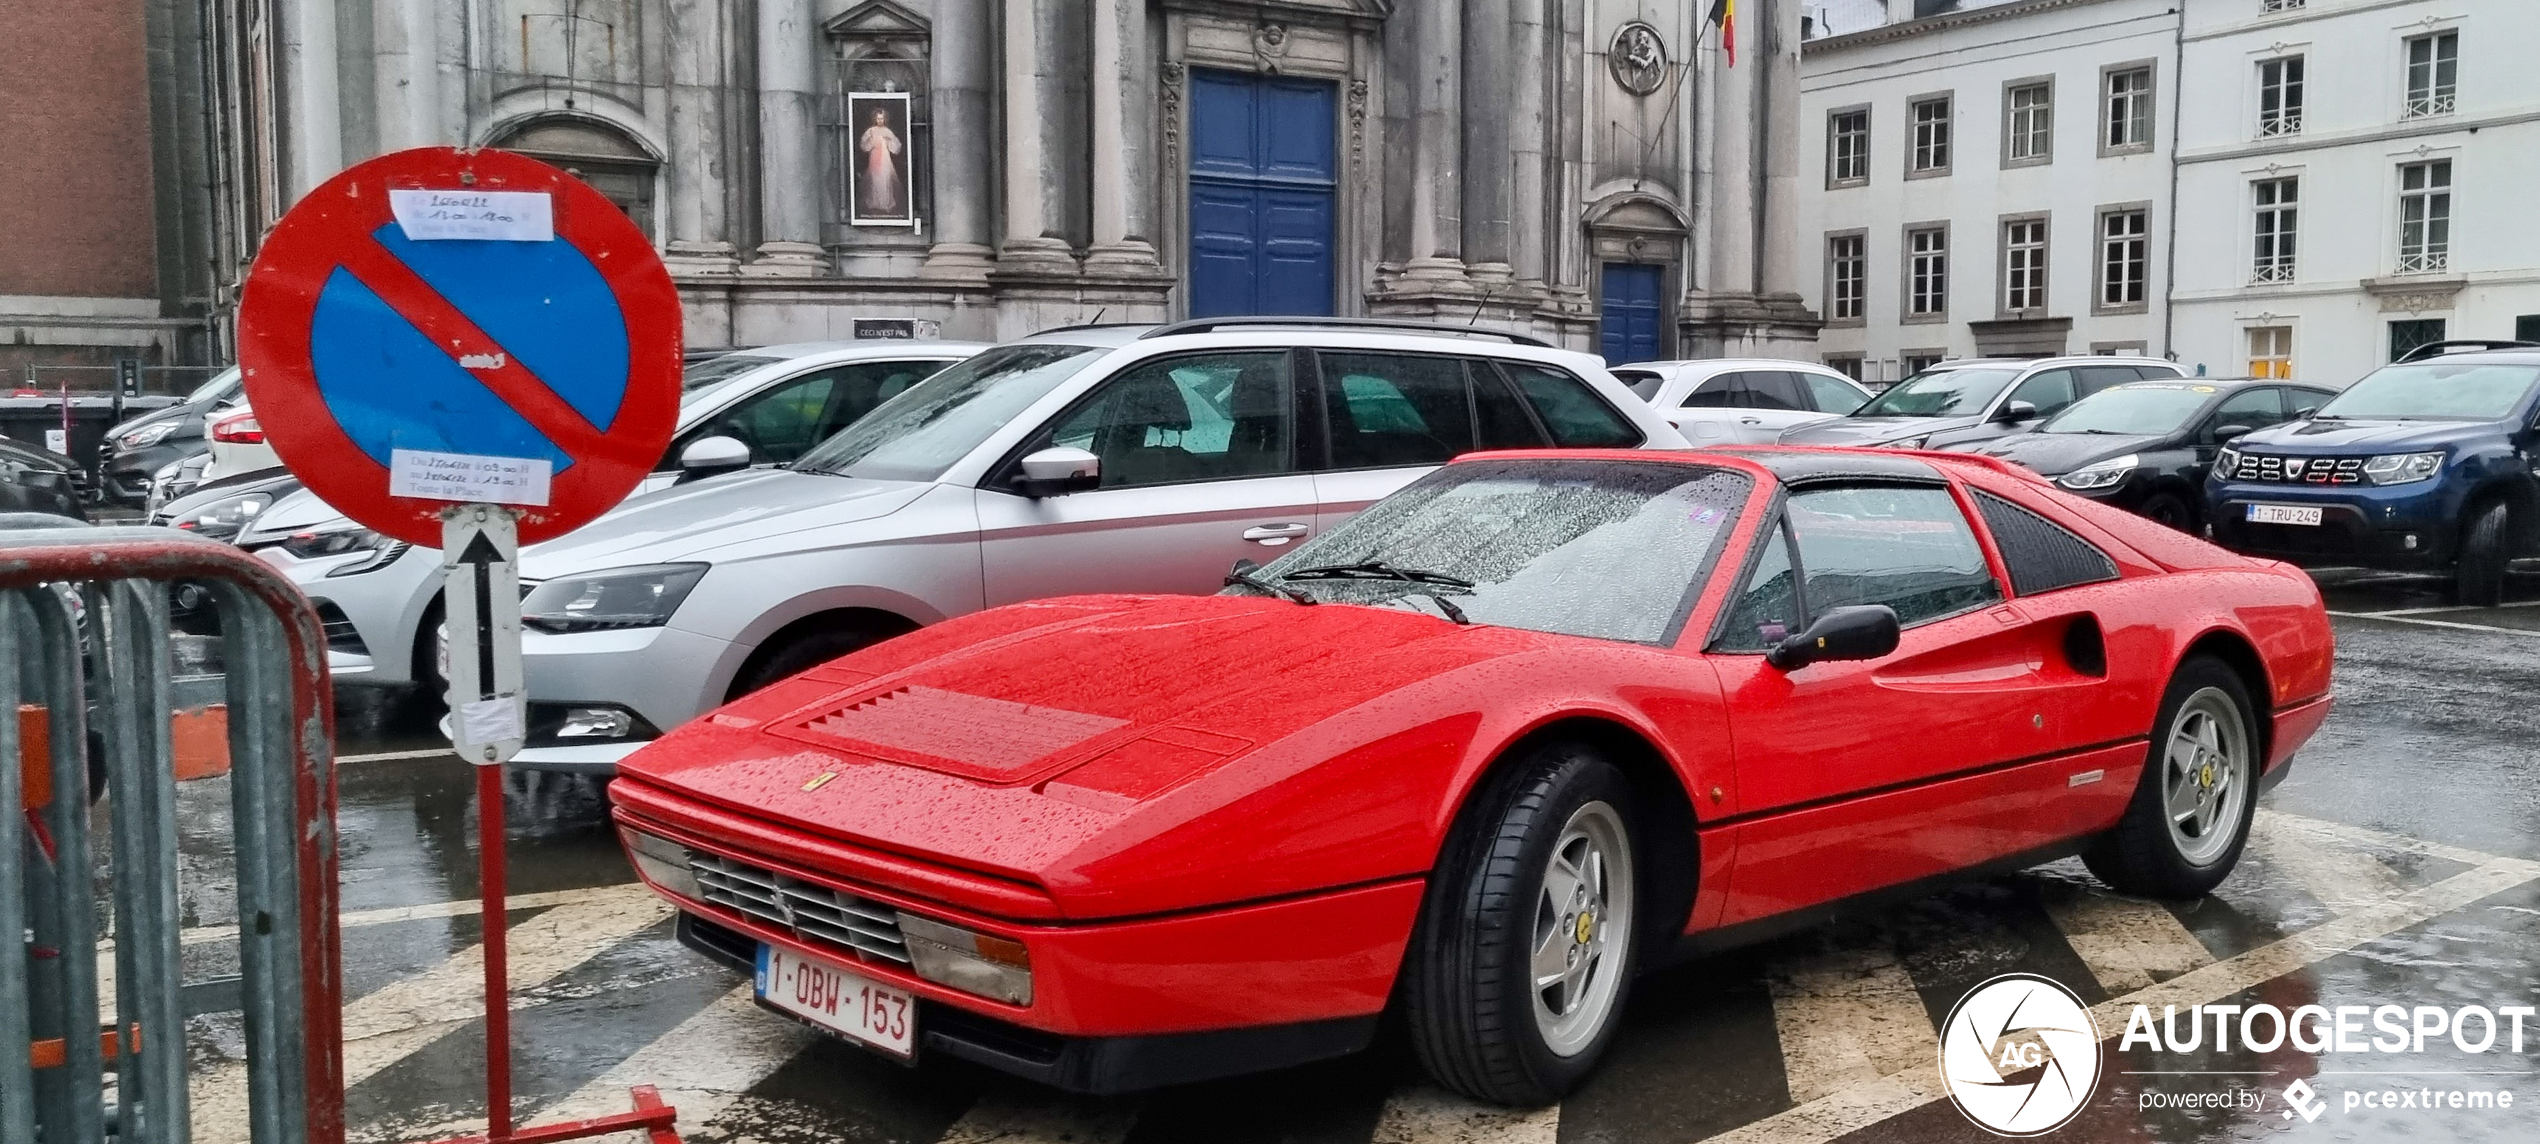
(929, 426)
(1643, 384)
(1940, 393)
(1586, 548)
(220, 384)
(2434, 391)
(705, 375)
(2144, 409)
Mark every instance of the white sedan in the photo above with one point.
(1743, 401)
(379, 597)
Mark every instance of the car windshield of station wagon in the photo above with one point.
(2434, 391)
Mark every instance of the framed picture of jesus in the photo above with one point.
(880, 190)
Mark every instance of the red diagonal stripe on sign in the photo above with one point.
(420, 305)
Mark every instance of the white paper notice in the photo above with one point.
(58, 441)
(484, 721)
(498, 216)
(468, 477)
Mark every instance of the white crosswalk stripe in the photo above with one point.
(1051, 1118)
(2127, 943)
(1846, 1016)
(711, 1060)
(1423, 1114)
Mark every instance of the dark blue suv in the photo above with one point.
(2425, 465)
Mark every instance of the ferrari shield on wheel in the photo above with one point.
(1524, 954)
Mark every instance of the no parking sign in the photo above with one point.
(440, 326)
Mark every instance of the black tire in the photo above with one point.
(2142, 856)
(2479, 580)
(802, 651)
(2167, 509)
(1465, 989)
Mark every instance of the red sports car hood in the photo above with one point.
(1032, 740)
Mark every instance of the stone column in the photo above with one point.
(1124, 179)
(699, 241)
(961, 83)
(311, 112)
(1777, 158)
(789, 167)
(1031, 244)
(1530, 140)
(1731, 238)
(1437, 96)
(406, 74)
(1488, 165)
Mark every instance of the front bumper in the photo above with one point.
(1099, 1066)
(662, 675)
(1115, 1003)
(2405, 528)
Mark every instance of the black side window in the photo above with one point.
(1906, 546)
(1576, 416)
(1201, 418)
(2050, 391)
(1766, 610)
(1773, 389)
(1499, 415)
(1395, 409)
(2098, 377)
(2041, 554)
(2255, 408)
(1716, 393)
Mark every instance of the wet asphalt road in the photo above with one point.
(2399, 864)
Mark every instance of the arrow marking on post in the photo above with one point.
(481, 556)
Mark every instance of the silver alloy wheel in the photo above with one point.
(1583, 925)
(2207, 771)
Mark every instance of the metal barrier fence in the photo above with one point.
(84, 637)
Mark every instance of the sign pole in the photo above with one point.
(480, 545)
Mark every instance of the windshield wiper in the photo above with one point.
(1376, 570)
(1243, 576)
(1447, 606)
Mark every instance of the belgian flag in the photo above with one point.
(1724, 13)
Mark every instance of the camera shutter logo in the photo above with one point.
(2020, 1055)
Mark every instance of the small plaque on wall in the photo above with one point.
(896, 328)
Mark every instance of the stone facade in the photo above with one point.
(1487, 158)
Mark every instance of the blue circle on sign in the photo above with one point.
(391, 387)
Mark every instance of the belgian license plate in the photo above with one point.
(2283, 514)
(838, 999)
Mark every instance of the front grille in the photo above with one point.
(2264, 469)
(814, 913)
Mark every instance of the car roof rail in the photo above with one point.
(1206, 325)
(2456, 345)
(1082, 326)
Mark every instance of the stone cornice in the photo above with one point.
(1889, 33)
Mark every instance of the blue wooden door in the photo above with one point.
(1632, 313)
(1262, 179)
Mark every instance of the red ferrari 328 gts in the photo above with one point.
(1535, 724)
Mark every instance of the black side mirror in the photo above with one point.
(2227, 432)
(1865, 632)
(2017, 411)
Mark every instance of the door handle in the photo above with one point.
(1274, 535)
(1750, 420)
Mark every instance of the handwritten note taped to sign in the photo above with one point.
(468, 477)
(497, 216)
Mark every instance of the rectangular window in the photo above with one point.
(2271, 351)
(2280, 97)
(2129, 109)
(2425, 217)
(2434, 72)
(2024, 266)
(2267, 6)
(1848, 148)
(2409, 333)
(1849, 365)
(1926, 272)
(1916, 361)
(2125, 259)
(2278, 226)
(2527, 328)
(1847, 276)
(1931, 136)
(2028, 123)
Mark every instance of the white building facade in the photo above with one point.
(2360, 174)
(1992, 182)
(1585, 170)
(2317, 185)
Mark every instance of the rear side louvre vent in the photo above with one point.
(2042, 555)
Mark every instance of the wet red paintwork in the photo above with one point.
(1210, 811)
